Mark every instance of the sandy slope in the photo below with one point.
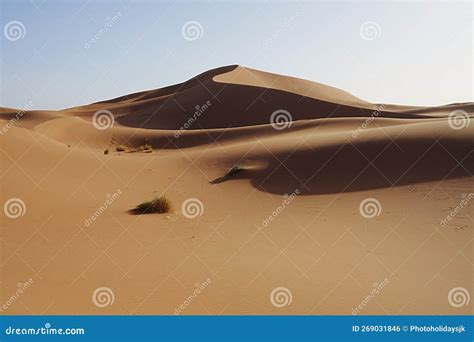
(338, 151)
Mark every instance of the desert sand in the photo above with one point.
(293, 218)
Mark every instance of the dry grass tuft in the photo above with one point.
(159, 205)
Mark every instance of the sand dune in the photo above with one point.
(334, 149)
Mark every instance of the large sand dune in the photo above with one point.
(290, 219)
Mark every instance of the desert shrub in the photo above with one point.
(146, 147)
(235, 169)
(159, 205)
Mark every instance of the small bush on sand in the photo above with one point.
(232, 172)
(106, 151)
(120, 148)
(159, 205)
(235, 169)
(146, 148)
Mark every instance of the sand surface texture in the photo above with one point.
(339, 204)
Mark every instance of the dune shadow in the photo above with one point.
(241, 109)
(364, 166)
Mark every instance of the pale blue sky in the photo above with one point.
(422, 52)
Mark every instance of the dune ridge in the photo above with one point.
(231, 106)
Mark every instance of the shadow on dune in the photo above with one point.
(364, 166)
(202, 103)
(237, 106)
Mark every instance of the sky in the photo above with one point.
(60, 54)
